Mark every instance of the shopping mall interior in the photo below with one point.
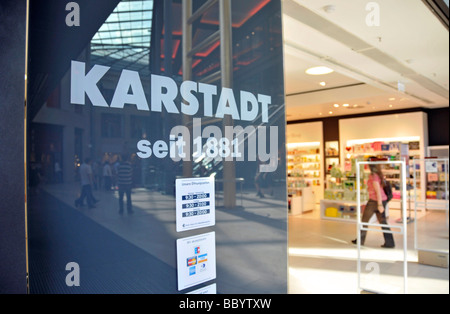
(364, 81)
(384, 86)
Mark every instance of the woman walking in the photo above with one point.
(376, 205)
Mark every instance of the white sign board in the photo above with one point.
(195, 203)
(196, 260)
(431, 166)
(211, 289)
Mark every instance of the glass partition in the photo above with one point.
(135, 96)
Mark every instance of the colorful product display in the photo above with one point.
(304, 178)
(437, 179)
(386, 150)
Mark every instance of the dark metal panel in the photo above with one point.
(12, 208)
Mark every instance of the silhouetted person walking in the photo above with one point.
(87, 179)
(125, 181)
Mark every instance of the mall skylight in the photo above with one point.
(123, 41)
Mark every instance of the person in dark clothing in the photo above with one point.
(376, 205)
(86, 180)
(125, 181)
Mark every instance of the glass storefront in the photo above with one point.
(141, 94)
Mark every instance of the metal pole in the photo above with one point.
(187, 39)
(415, 204)
(169, 172)
(446, 188)
(226, 55)
(168, 37)
(405, 243)
(358, 222)
(187, 71)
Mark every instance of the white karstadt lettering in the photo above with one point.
(164, 92)
(229, 146)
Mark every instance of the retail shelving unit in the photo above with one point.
(340, 199)
(393, 137)
(304, 177)
(301, 197)
(437, 178)
(305, 156)
(437, 192)
(437, 184)
(389, 149)
(331, 156)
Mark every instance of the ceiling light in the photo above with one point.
(329, 8)
(323, 83)
(321, 70)
(355, 106)
(391, 99)
(336, 105)
(345, 105)
(306, 144)
(331, 112)
(390, 106)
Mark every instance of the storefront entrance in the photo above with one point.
(154, 97)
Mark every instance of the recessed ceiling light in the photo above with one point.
(355, 106)
(391, 99)
(321, 70)
(345, 105)
(336, 105)
(329, 8)
(320, 113)
(323, 83)
(331, 112)
(390, 106)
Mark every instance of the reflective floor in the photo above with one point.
(323, 261)
(242, 266)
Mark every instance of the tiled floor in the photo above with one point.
(250, 239)
(322, 259)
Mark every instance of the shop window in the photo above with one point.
(111, 125)
(129, 53)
